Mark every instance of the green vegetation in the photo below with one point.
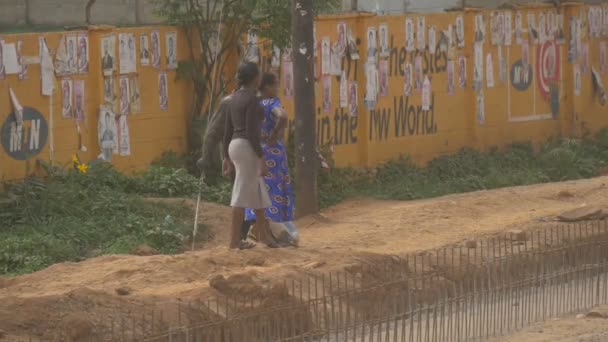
(69, 214)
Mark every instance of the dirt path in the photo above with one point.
(340, 236)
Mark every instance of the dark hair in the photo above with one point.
(246, 73)
(268, 79)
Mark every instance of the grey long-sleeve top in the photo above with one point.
(243, 120)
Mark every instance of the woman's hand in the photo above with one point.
(262, 167)
(227, 167)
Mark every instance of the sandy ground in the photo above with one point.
(340, 236)
(569, 329)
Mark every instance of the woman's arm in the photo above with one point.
(281, 123)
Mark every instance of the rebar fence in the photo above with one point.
(466, 292)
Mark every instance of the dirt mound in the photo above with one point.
(352, 234)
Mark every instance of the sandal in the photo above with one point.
(245, 245)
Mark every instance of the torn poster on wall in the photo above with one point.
(67, 96)
(343, 90)
(480, 28)
(144, 50)
(335, 61)
(577, 79)
(418, 73)
(519, 27)
(533, 34)
(125, 98)
(421, 33)
(408, 79)
(426, 93)
(342, 43)
(126, 53)
(21, 61)
(383, 77)
(489, 71)
(109, 95)
(72, 54)
(79, 101)
(409, 35)
(155, 39)
(10, 59)
(326, 94)
(371, 88)
(462, 71)
(508, 32)
(108, 54)
(372, 44)
(135, 95)
(502, 66)
(47, 70)
(450, 71)
(603, 57)
(83, 53)
(106, 130)
(480, 108)
(460, 31)
(124, 138)
(384, 48)
(325, 56)
(171, 41)
(353, 51)
(163, 91)
(432, 40)
(478, 67)
(353, 101)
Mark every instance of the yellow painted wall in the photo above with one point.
(152, 131)
(375, 135)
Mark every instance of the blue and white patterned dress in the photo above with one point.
(278, 182)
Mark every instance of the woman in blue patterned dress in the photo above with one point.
(278, 182)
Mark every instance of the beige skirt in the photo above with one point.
(249, 190)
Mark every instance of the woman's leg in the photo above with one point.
(263, 229)
(245, 228)
(238, 215)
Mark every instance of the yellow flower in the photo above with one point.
(75, 159)
(83, 168)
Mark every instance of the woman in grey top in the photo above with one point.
(243, 154)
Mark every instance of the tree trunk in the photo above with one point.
(305, 126)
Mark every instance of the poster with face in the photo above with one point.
(432, 40)
(462, 71)
(508, 31)
(325, 56)
(603, 57)
(371, 42)
(450, 72)
(494, 28)
(353, 99)
(72, 53)
(371, 91)
(106, 130)
(155, 40)
(135, 95)
(418, 73)
(67, 96)
(124, 139)
(108, 44)
(343, 90)
(409, 35)
(532, 30)
(489, 71)
(123, 53)
(335, 61)
(383, 77)
(326, 94)
(478, 67)
(353, 51)
(460, 31)
(384, 48)
(144, 50)
(342, 39)
(480, 108)
(421, 33)
(171, 41)
(288, 79)
(83, 53)
(109, 94)
(22, 75)
(408, 79)
(519, 28)
(125, 96)
(163, 91)
(480, 28)
(79, 101)
(252, 53)
(426, 93)
(577, 80)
